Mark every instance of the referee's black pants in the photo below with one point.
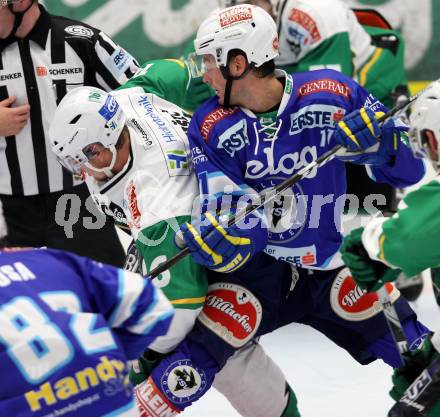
(31, 222)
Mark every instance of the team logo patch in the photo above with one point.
(235, 15)
(305, 21)
(109, 109)
(212, 119)
(324, 85)
(178, 162)
(352, 302)
(182, 382)
(81, 31)
(286, 213)
(232, 312)
(234, 138)
(150, 400)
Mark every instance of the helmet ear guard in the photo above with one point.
(424, 131)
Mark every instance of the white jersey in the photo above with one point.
(156, 183)
(306, 24)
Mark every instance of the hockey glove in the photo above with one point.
(425, 393)
(368, 274)
(141, 368)
(366, 142)
(221, 248)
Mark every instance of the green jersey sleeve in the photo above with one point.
(409, 239)
(185, 284)
(166, 78)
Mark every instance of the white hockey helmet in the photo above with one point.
(85, 117)
(245, 27)
(425, 124)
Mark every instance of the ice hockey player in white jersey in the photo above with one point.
(69, 325)
(132, 148)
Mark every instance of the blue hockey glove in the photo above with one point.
(364, 140)
(222, 248)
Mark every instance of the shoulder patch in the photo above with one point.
(325, 85)
(81, 31)
(212, 119)
(306, 22)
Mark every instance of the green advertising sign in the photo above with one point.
(162, 28)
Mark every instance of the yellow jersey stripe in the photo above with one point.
(381, 249)
(197, 300)
(177, 61)
(363, 72)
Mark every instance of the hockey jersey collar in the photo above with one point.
(38, 34)
(288, 88)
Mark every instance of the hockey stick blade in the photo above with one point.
(421, 395)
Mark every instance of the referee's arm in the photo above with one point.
(114, 65)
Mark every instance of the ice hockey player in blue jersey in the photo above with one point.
(281, 265)
(68, 326)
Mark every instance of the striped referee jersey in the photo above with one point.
(59, 54)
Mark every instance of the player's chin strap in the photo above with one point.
(229, 80)
(18, 17)
(108, 169)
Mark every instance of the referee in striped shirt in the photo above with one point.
(42, 57)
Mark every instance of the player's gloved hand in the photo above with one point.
(363, 140)
(221, 248)
(415, 363)
(143, 366)
(368, 274)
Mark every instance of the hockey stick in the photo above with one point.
(287, 183)
(393, 321)
(421, 395)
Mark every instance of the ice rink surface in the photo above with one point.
(327, 381)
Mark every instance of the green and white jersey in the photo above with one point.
(410, 239)
(152, 195)
(305, 25)
(316, 34)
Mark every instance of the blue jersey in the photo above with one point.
(68, 325)
(237, 152)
